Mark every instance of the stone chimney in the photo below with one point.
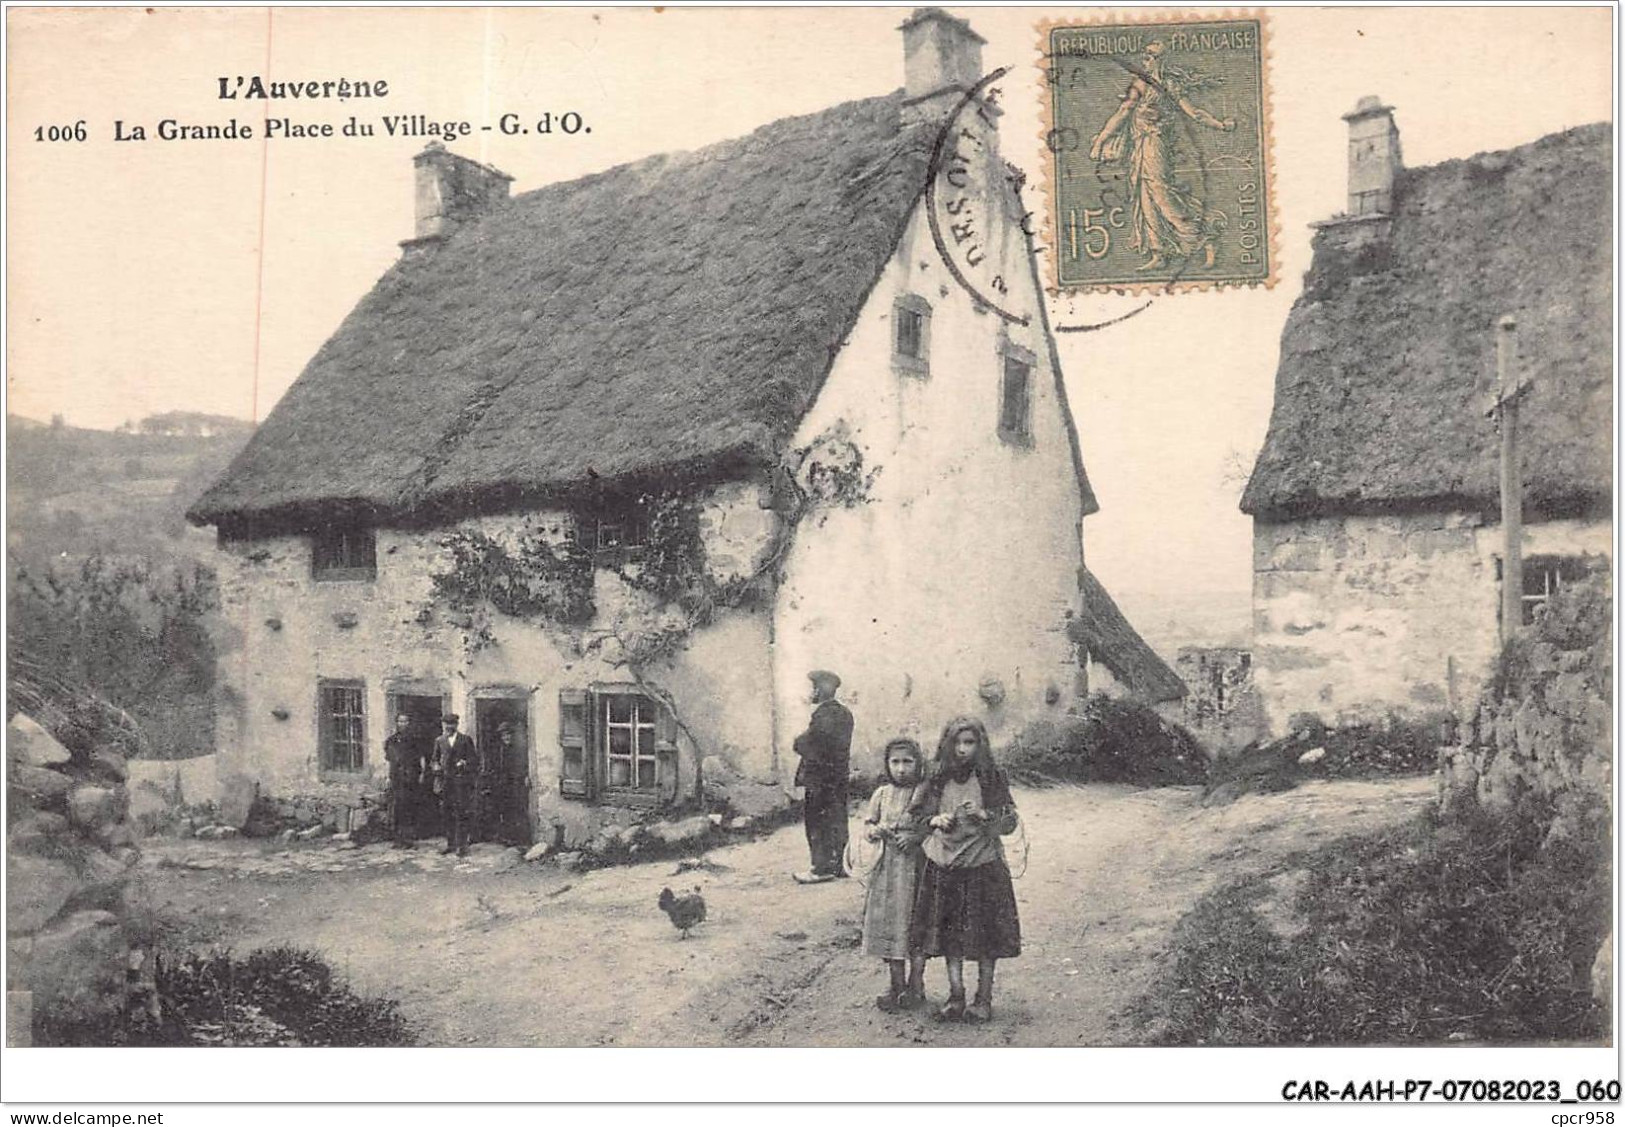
(451, 190)
(1374, 159)
(942, 58)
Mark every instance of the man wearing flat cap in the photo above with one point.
(455, 764)
(825, 749)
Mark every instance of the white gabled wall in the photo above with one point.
(963, 567)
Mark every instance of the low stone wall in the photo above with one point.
(70, 853)
(1542, 742)
(1541, 746)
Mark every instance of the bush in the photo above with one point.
(1396, 746)
(125, 632)
(1480, 929)
(275, 996)
(1110, 741)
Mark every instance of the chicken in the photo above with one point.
(684, 911)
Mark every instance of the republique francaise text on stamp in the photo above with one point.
(1158, 131)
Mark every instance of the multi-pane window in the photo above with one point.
(629, 743)
(344, 552)
(617, 744)
(342, 723)
(1545, 576)
(1015, 398)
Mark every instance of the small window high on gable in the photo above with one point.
(1016, 394)
(344, 552)
(911, 335)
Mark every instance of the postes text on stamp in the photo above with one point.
(1159, 153)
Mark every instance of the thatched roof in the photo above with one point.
(1101, 629)
(678, 314)
(1388, 359)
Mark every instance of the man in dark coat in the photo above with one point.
(825, 749)
(456, 767)
(407, 768)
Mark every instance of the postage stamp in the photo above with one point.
(1159, 170)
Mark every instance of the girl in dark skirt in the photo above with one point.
(966, 906)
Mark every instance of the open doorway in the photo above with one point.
(503, 738)
(425, 711)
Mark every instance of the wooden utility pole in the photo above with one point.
(1509, 392)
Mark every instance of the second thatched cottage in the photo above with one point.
(611, 464)
(1377, 541)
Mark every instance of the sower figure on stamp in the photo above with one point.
(406, 771)
(825, 749)
(456, 768)
(1169, 219)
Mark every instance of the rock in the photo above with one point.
(1602, 972)
(36, 890)
(538, 851)
(572, 859)
(237, 793)
(310, 833)
(342, 837)
(92, 807)
(506, 860)
(1313, 755)
(78, 968)
(742, 823)
(115, 835)
(681, 832)
(716, 820)
(38, 832)
(288, 834)
(148, 805)
(19, 1019)
(226, 831)
(40, 783)
(30, 744)
(111, 764)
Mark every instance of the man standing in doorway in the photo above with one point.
(456, 768)
(825, 749)
(406, 770)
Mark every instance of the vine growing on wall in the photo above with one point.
(548, 580)
(536, 579)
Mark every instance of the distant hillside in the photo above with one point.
(76, 491)
(1168, 620)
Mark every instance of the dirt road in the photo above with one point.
(536, 956)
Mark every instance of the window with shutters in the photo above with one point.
(911, 335)
(340, 552)
(618, 745)
(1015, 395)
(341, 726)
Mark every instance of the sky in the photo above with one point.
(159, 275)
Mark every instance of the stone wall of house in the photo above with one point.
(289, 631)
(1355, 617)
(1222, 707)
(70, 854)
(949, 592)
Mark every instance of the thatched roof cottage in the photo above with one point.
(606, 467)
(1376, 498)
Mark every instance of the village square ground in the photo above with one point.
(490, 953)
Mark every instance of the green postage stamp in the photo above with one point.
(1158, 132)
